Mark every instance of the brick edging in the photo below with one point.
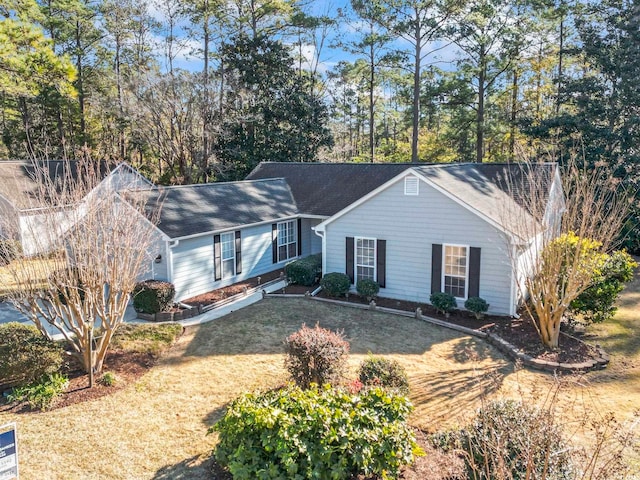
(598, 363)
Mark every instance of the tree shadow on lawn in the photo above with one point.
(193, 468)
(448, 394)
(262, 328)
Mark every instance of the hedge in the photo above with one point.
(153, 296)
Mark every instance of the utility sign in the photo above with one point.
(8, 452)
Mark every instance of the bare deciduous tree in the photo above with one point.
(92, 246)
(566, 234)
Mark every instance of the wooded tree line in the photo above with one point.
(427, 80)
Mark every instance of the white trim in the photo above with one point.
(164, 236)
(238, 227)
(400, 176)
(355, 258)
(466, 270)
(411, 185)
(513, 286)
(132, 170)
(324, 248)
(288, 244)
(222, 259)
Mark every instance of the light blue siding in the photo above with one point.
(193, 262)
(311, 243)
(411, 225)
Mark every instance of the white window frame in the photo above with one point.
(411, 185)
(466, 268)
(355, 258)
(284, 240)
(228, 237)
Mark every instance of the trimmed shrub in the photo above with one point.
(596, 303)
(336, 284)
(304, 271)
(153, 296)
(509, 439)
(326, 433)
(384, 372)
(41, 394)
(26, 355)
(443, 302)
(478, 306)
(315, 355)
(9, 251)
(368, 288)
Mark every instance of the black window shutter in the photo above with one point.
(299, 236)
(474, 272)
(381, 262)
(217, 258)
(436, 268)
(349, 257)
(238, 252)
(274, 242)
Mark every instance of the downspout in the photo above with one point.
(320, 233)
(514, 272)
(169, 245)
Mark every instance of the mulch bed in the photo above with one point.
(215, 296)
(126, 366)
(521, 333)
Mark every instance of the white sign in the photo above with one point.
(8, 452)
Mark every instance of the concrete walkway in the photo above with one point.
(8, 313)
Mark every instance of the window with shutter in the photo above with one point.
(455, 270)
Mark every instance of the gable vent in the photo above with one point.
(411, 185)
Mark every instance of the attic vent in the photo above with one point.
(411, 185)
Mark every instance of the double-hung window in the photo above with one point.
(228, 257)
(287, 240)
(455, 270)
(365, 259)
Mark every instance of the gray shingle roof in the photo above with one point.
(195, 209)
(498, 191)
(326, 188)
(18, 179)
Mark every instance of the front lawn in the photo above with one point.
(38, 271)
(156, 427)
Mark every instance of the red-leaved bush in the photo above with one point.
(315, 355)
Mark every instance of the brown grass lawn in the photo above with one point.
(156, 429)
(37, 268)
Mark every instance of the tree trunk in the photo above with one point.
(480, 114)
(372, 73)
(415, 134)
(514, 114)
(80, 85)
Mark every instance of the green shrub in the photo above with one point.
(315, 355)
(153, 296)
(509, 439)
(304, 271)
(9, 251)
(26, 355)
(367, 288)
(326, 434)
(384, 372)
(478, 306)
(596, 303)
(41, 394)
(335, 284)
(443, 302)
(108, 379)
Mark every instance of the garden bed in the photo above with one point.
(221, 294)
(521, 333)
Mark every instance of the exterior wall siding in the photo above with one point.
(311, 243)
(410, 225)
(193, 262)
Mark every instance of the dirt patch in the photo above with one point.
(219, 294)
(296, 289)
(521, 333)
